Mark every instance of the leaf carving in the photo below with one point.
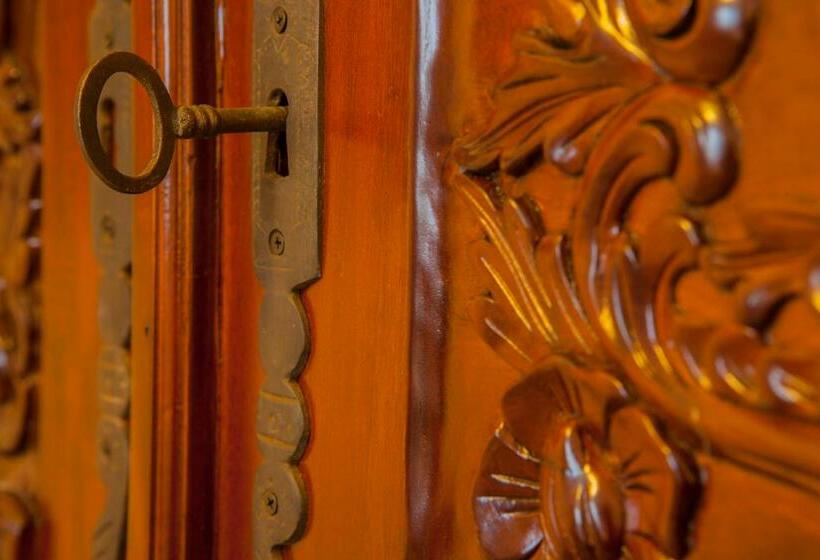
(567, 82)
(20, 206)
(528, 309)
(620, 98)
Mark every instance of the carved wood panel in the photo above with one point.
(655, 310)
(20, 305)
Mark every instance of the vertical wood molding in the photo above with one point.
(188, 325)
(430, 300)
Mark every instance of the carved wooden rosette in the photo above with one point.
(111, 214)
(20, 206)
(624, 380)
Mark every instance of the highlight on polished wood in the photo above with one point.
(652, 316)
(489, 279)
(20, 306)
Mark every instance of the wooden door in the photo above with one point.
(567, 304)
(626, 335)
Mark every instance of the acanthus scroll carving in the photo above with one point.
(616, 106)
(20, 207)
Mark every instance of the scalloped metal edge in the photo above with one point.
(286, 238)
(112, 217)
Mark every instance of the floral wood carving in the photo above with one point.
(16, 528)
(20, 206)
(19, 276)
(625, 381)
(606, 479)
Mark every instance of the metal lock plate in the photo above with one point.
(286, 222)
(112, 218)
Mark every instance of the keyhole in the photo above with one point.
(108, 109)
(276, 156)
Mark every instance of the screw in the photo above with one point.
(271, 502)
(280, 19)
(108, 229)
(276, 242)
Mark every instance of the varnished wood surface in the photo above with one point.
(142, 481)
(240, 373)
(70, 341)
(490, 499)
(70, 276)
(187, 302)
(406, 86)
(365, 371)
(356, 378)
(369, 127)
(164, 510)
(20, 297)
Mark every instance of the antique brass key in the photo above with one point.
(170, 122)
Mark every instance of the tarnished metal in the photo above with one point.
(286, 222)
(170, 122)
(111, 214)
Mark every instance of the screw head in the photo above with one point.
(108, 229)
(271, 502)
(280, 19)
(276, 242)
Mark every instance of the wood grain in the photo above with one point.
(355, 460)
(556, 249)
(240, 373)
(417, 144)
(70, 275)
(187, 289)
(195, 300)
(21, 536)
(355, 463)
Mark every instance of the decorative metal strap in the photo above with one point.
(286, 222)
(111, 214)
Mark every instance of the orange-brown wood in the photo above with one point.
(456, 414)
(141, 491)
(21, 293)
(163, 508)
(187, 302)
(354, 464)
(240, 374)
(70, 342)
(70, 276)
(609, 387)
